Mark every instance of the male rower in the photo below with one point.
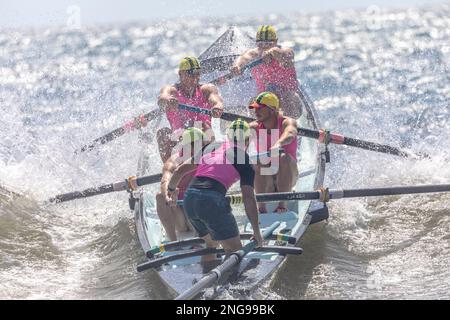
(204, 201)
(187, 91)
(278, 134)
(277, 73)
(173, 218)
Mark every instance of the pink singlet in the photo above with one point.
(215, 165)
(290, 149)
(274, 77)
(183, 118)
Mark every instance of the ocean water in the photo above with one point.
(381, 76)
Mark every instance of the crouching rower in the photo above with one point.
(173, 218)
(276, 133)
(204, 201)
(188, 91)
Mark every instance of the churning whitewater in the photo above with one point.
(380, 77)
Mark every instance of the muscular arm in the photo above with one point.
(181, 171)
(289, 133)
(211, 93)
(167, 97)
(168, 169)
(244, 59)
(284, 55)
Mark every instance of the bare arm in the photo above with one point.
(168, 169)
(284, 55)
(180, 172)
(289, 133)
(167, 98)
(244, 59)
(248, 196)
(211, 93)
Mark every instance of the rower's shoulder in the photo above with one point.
(208, 87)
(253, 124)
(288, 121)
(253, 53)
(170, 88)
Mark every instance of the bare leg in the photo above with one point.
(182, 224)
(165, 144)
(287, 176)
(210, 243)
(231, 245)
(263, 184)
(166, 216)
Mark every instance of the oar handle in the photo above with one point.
(265, 154)
(225, 115)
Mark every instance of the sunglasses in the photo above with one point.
(261, 106)
(265, 42)
(193, 72)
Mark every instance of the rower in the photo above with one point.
(187, 91)
(204, 201)
(278, 134)
(173, 218)
(277, 72)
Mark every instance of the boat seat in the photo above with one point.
(288, 220)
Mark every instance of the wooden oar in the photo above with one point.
(107, 188)
(325, 195)
(141, 121)
(233, 260)
(321, 135)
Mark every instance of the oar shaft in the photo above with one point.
(225, 115)
(230, 75)
(373, 192)
(89, 192)
(136, 123)
(367, 145)
(103, 139)
(118, 186)
(339, 194)
(149, 179)
(315, 134)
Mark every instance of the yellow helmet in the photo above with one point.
(266, 33)
(239, 130)
(189, 63)
(191, 135)
(265, 99)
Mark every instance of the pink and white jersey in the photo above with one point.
(290, 149)
(274, 77)
(217, 166)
